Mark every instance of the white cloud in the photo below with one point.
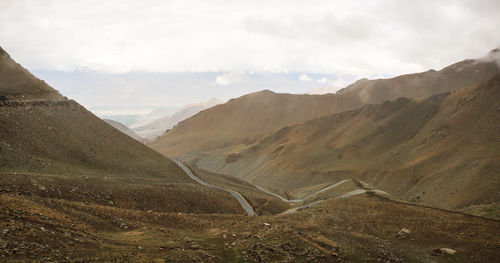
(305, 78)
(222, 80)
(493, 55)
(230, 78)
(330, 86)
(322, 80)
(222, 41)
(355, 37)
(339, 83)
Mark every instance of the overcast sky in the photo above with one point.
(342, 39)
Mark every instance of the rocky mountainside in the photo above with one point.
(442, 151)
(75, 189)
(50, 145)
(250, 117)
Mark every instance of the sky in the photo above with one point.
(228, 48)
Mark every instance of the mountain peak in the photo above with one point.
(265, 91)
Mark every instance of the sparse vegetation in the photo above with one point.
(74, 189)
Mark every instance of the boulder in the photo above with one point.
(402, 234)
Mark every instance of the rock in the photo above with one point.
(443, 251)
(402, 234)
(195, 246)
(448, 251)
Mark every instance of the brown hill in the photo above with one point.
(55, 148)
(248, 118)
(441, 151)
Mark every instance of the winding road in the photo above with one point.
(249, 209)
(305, 198)
(243, 202)
(346, 195)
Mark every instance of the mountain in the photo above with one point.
(75, 189)
(248, 118)
(158, 126)
(441, 151)
(144, 119)
(422, 150)
(121, 127)
(54, 148)
(420, 85)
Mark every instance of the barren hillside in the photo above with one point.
(441, 151)
(55, 148)
(248, 118)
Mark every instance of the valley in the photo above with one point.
(423, 150)
(408, 175)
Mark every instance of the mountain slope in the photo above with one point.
(420, 85)
(121, 127)
(19, 84)
(248, 118)
(55, 148)
(441, 151)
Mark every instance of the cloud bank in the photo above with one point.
(355, 37)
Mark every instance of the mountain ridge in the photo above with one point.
(425, 150)
(251, 116)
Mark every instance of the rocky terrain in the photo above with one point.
(360, 229)
(63, 151)
(75, 189)
(421, 150)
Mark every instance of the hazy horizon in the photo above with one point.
(171, 53)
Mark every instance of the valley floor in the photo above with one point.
(362, 228)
